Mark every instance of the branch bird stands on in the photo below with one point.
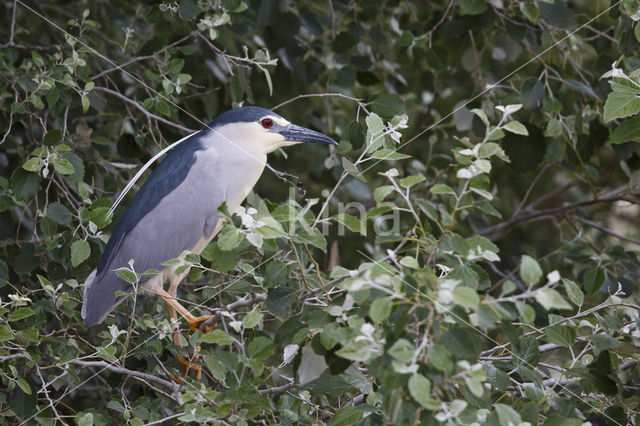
(176, 208)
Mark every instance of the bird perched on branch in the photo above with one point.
(176, 208)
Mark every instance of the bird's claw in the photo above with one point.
(196, 322)
(186, 366)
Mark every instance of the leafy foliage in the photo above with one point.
(484, 269)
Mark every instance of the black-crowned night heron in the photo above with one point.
(176, 208)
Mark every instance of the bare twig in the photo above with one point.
(12, 356)
(245, 301)
(13, 22)
(605, 230)
(323, 95)
(174, 387)
(531, 186)
(276, 389)
(141, 109)
(530, 216)
(142, 58)
(282, 175)
(46, 394)
(166, 419)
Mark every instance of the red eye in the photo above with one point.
(266, 123)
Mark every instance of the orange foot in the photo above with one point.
(186, 366)
(195, 323)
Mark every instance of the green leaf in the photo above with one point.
(441, 188)
(489, 149)
(563, 335)
(551, 299)
(620, 104)
(352, 223)
(163, 108)
(344, 42)
(80, 251)
(351, 168)
(53, 137)
(402, 350)
(530, 10)
(346, 416)
(516, 127)
(472, 7)
(389, 154)
(85, 419)
(593, 280)
(261, 348)
(419, 389)
(440, 357)
(530, 271)
(63, 166)
(188, 9)
(24, 385)
(526, 312)
(466, 297)
(85, 104)
(127, 275)
(216, 337)
(628, 130)
(5, 333)
(230, 238)
(252, 319)
(573, 291)
(381, 192)
(529, 353)
(388, 105)
(507, 415)
(554, 128)
(21, 313)
(33, 164)
(410, 181)
(557, 14)
(380, 310)
(602, 342)
(59, 213)
(410, 262)
(375, 125)
(271, 228)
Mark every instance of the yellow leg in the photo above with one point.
(194, 322)
(173, 292)
(173, 307)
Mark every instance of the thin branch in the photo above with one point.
(531, 186)
(605, 230)
(323, 95)
(276, 389)
(142, 58)
(166, 419)
(13, 22)
(46, 394)
(174, 387)
(529, 216)
(249, 299)
(12, 356)
(282, 175)
(144, 111)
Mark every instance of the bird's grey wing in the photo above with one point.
(175, 223)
